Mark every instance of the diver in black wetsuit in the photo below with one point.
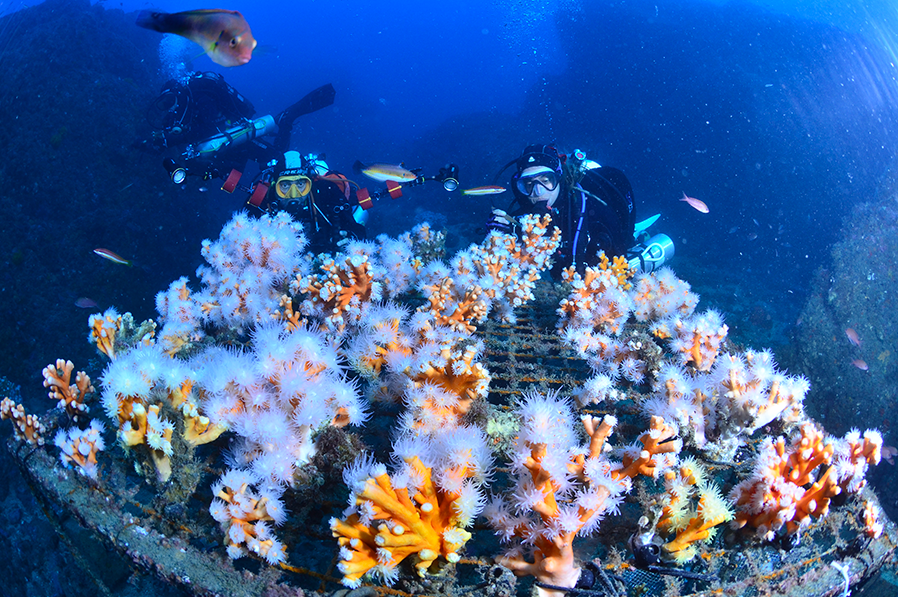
(211, 126)
(323, 200)
(592, 205)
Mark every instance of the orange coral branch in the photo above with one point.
(27, 428)
(68, 396)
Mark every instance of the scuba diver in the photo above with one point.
(591, 204)
(332, 208)
(324, 201)
(208, 129)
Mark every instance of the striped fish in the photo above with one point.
(113, 257)
(487, 190)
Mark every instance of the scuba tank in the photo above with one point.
(237, 135)
(315, 164)
(650, 255)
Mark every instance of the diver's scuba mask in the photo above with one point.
(546, 156)
(545, 178)
(293, 186)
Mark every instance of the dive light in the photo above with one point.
(177, 173)
(449, 177)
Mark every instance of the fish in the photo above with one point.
(852, 336)
(860, 364)
(113, 257)
(889, 453)
(385, 172)
(487, 190)
(86, 303)
(223, 34)
(500, 215)
(696, 203)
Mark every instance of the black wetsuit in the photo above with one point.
(194, 110)
(587, 225)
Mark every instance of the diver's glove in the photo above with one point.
(501, 222)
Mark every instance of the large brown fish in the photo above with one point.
(223, 34)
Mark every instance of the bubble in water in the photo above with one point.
(174, 53)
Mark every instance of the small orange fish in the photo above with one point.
(696, 203)
(113, 257)
(852, 336)
(223, 34)
(487, 190)
(860, 364)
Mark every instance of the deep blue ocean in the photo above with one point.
(781, 116)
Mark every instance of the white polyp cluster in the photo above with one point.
(244, 512)
(246, 266)
(78, 447)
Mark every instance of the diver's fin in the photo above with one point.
(316, 100)
(312, 102)
(644, 225)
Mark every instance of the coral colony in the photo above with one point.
(276, 345)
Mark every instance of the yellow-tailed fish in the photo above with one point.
(223, 34)
(114, 257)
(487, 190)
(385, 172)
